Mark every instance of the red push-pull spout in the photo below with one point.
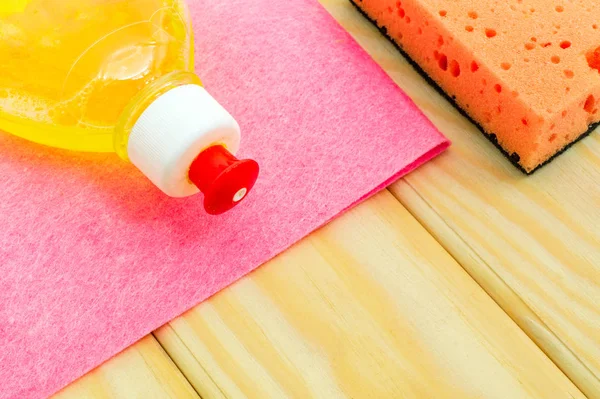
(223, 179)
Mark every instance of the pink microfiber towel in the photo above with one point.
(94, 257)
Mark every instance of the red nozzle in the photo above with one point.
(224, 179)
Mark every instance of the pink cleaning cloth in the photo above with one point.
(94, 257)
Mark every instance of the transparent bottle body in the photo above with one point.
(76, 74)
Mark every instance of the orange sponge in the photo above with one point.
(526, 71)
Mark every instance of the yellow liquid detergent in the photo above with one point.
(69, 68)
(77, 74)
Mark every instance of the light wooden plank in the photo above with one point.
(370, 306)
(532, 242)
(142, 371)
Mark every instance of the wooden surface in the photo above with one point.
(378, 305)
(142, 371)
(371, 306)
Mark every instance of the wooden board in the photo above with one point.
(142, 371)
(533, 243)
(370, 306)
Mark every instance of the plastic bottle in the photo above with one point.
(117, 75)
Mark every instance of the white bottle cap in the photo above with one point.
(173, 131)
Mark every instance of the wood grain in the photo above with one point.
(533, 243)
(142, 371)
(370, 306)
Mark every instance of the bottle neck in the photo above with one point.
(142, 100)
